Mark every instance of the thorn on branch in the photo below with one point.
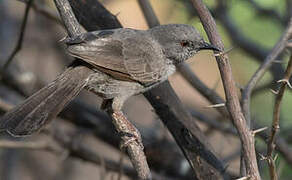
(286, 81)
(278, 61)
(275, 158)
(243, 178)
(216, 105)
(221, 54)
(262, 157)
(274, 91)
(254, 132)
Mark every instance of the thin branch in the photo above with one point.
(68, 17)
(232, 101)
(148, 12)
(278, 48)
(267, 12)
(20, 37)
(276, 122)
(32, 145)
(44, 11)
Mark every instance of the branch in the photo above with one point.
(44, 11)
(20, 38)
(68, 17)
(278, 48)
(267, 12)
(32, 145)
(276, 122)
(232, 101)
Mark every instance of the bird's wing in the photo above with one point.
(144, 59)
(125, 54)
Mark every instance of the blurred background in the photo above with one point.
(250, 27)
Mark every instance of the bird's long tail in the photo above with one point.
(36, 111)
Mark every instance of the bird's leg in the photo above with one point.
(129, 133)
(131, 138)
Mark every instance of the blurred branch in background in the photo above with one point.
(20, 37)
(274, 53)
(42, 9)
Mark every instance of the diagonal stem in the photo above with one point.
(276, 122)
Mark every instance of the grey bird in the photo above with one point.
(114, 64)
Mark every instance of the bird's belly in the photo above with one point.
(108, 87)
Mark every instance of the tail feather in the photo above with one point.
(44, 105)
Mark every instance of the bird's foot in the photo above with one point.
(128, 132)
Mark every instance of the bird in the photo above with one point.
(114, 64)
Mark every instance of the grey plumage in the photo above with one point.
(120, 63)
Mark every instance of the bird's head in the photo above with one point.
(179, 41)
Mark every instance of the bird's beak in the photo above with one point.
(205, 45)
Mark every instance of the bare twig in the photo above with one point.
(32, 145)
(216, 105)
(276, 122)
(267, 12)
(23, 144)
(68, 17)
(20, 38)
(259, 130)
(44, 11)
(134, 146)
(278, 48)
(232, 101)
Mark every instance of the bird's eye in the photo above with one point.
(184, 43)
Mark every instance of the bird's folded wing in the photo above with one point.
(125, 54)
